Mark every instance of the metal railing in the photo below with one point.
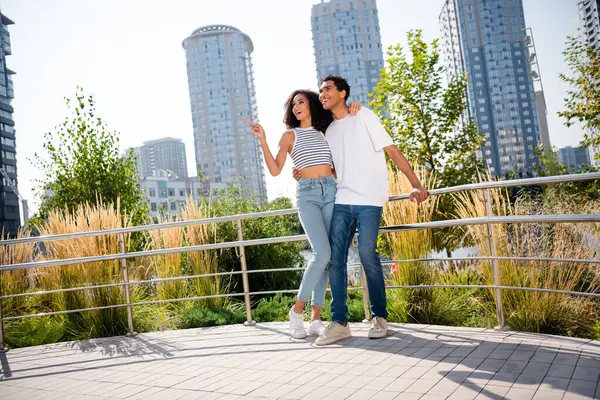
(489, 220)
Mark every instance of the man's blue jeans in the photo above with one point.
(343, 226)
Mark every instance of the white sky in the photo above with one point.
(128, 54)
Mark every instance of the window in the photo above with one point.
(173, 206)
(152, 192)
(171, 192)
(153, 206)
(181, 192)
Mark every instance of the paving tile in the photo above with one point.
(561, 371)
(503, 379)
(399, 385)
(422, 386)
(466, 392)
(550, 384)
(586, 374)
(555, 395)
(492, 392)
(583, 388)
(536, 368)
(544, 356)
(520, 394)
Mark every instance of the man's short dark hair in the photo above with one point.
(339, 82)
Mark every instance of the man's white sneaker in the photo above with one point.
(379, 328)
(332, 333)
(316, 328)
(297, 325)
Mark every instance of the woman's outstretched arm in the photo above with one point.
(274, 164)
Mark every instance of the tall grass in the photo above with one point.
(528, 310)
(96, 323)
(203, 262)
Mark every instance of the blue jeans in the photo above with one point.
(344, 222)
(316, 198)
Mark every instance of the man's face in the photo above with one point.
(330, 96)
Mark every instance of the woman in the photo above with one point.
(305, 142)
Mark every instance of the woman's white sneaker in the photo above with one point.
(316, 328)
(297, 330)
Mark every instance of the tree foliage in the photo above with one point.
(84, 165)
(582, 104)
(423, 116)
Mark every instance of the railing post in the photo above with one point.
(130, 331)
(9, 253)
(249, 321)
(495, 270)
(363, 284)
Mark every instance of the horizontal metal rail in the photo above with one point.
(572, 218)
(274, 213)
(352, 265)
(510, 183)
(156, 280)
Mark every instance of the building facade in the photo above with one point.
(347, 42)
(574, 157)
(221, 86)
(166, 196)
(166, 154)
(487, 40)
(589, 17)
(10, 218)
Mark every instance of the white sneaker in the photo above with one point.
(379, 328)
(316, 328)
(332, 333)
(297, 325)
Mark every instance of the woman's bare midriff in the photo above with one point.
(316, 171)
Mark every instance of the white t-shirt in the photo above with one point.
(357, 144)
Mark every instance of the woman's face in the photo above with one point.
(300, 107)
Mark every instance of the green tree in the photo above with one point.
(423, 116)
(83, 165)
(582, 104)
(234, 201)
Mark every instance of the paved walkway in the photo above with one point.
(415, 362)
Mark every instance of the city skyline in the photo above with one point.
(134, 89)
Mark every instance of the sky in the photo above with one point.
(128, 54)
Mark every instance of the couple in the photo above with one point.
(327, 143)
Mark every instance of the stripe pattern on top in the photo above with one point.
(310, 148)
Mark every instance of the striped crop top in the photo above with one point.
(310, 148)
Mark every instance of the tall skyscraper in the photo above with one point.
(573, 157)
(347, 42)
(487, 40)
(589, 16)
(10, 219)
(221, 85)
(166, 154)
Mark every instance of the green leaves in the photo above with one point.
(582, 104)
(423, 115)
(83, 165)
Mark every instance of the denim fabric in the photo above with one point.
(344, 222)
(316, 198)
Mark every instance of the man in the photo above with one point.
(358, 145)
